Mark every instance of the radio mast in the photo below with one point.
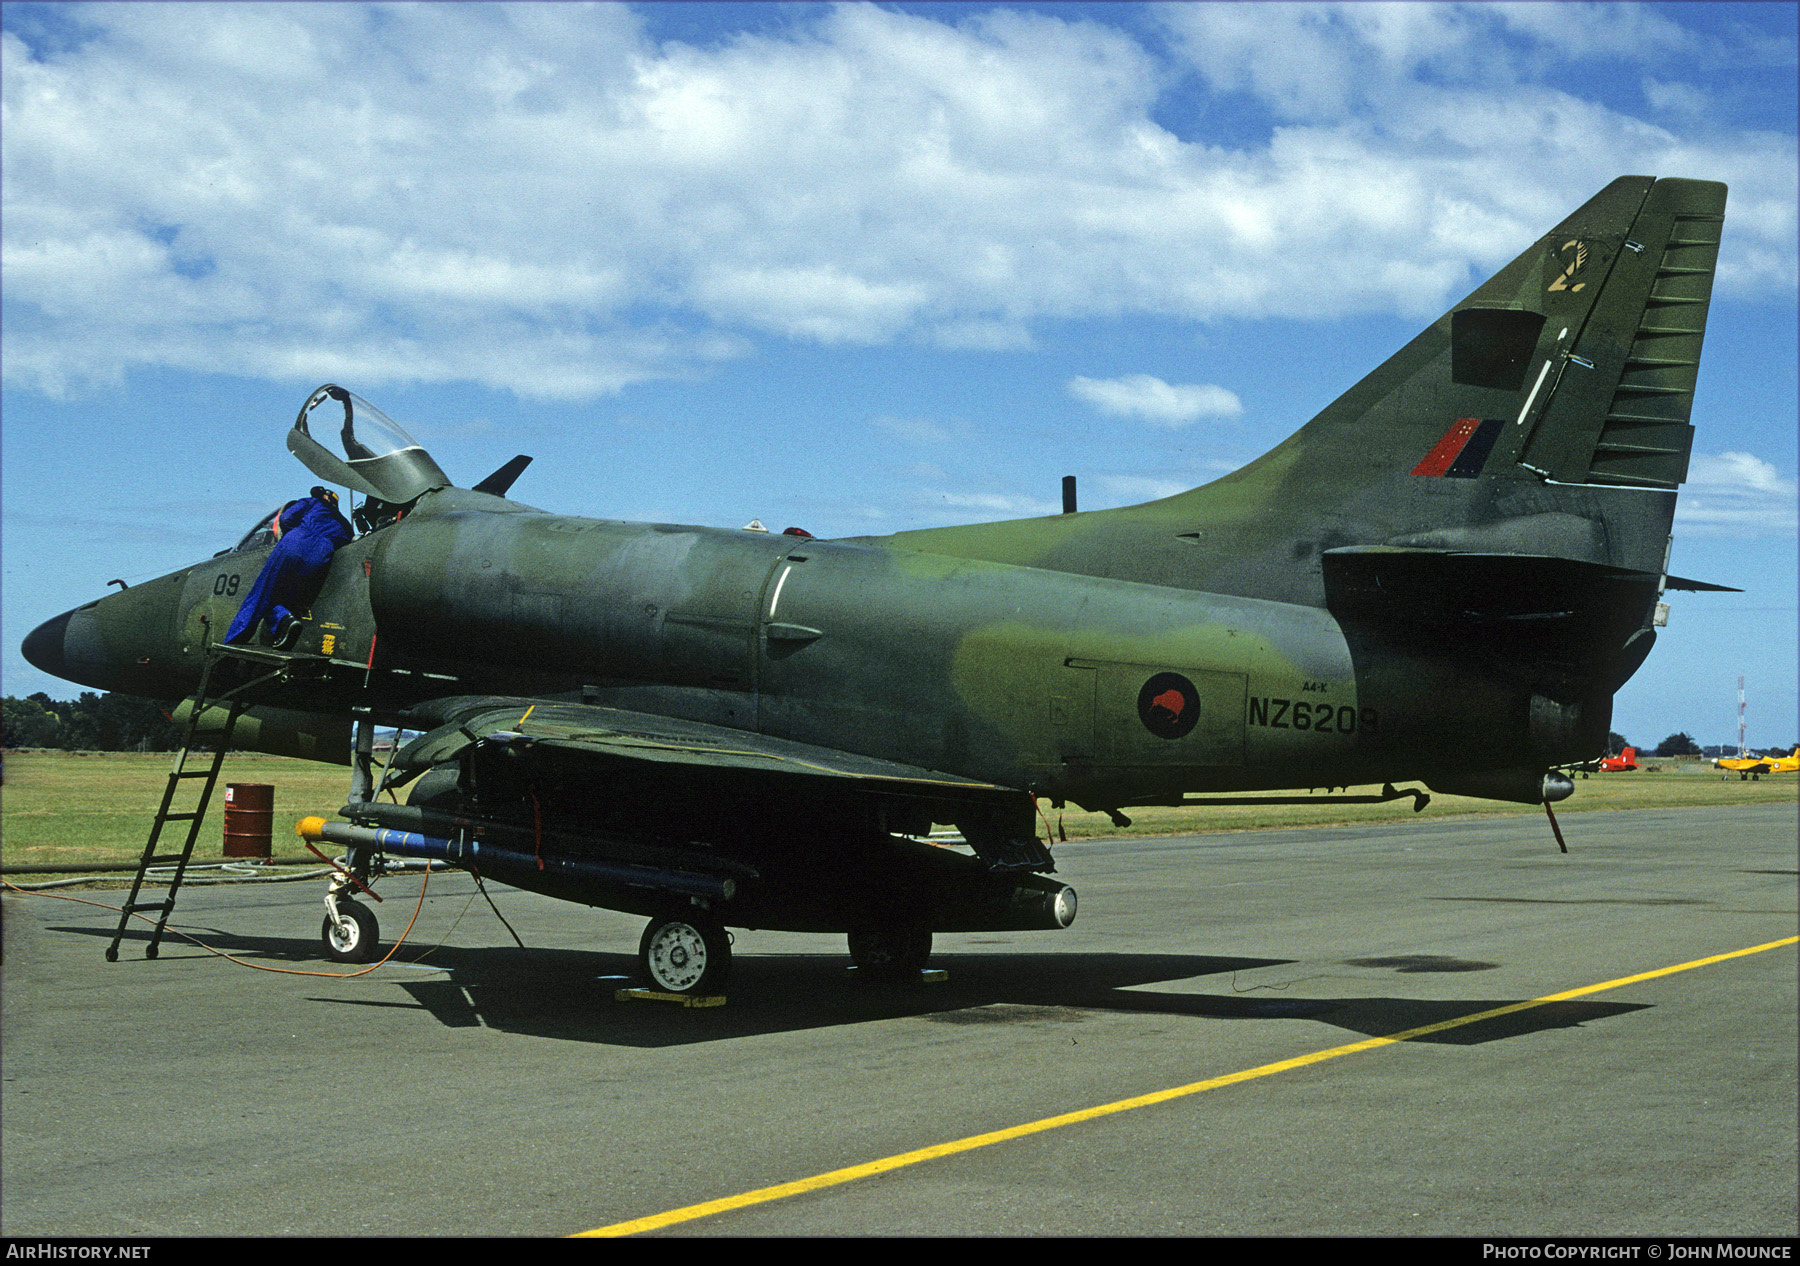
(1740, 714)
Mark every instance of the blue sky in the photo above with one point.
(856, 268)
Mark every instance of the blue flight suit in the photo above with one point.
(311, 531)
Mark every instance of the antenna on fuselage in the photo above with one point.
(501, 480)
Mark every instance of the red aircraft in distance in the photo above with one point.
(1626, 759)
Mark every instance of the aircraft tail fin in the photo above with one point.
(1545, 415)
(1533, 417)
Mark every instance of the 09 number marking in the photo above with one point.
(226, 586)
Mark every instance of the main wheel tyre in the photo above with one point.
(355, 939)
(685, 955)
(890, 953)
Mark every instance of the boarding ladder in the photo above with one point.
(280, 667)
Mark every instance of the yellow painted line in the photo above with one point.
(836, 1177)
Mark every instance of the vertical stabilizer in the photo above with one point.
(1545, 415)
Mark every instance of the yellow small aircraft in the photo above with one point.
(1756, 766)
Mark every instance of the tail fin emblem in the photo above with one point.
(1575, 252)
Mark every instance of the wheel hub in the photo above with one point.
(678, 957)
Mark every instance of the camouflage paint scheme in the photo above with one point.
(1473, 538)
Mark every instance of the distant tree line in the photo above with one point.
(92, 723)
(1682, 744)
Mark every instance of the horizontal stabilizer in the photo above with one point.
(1697, 586)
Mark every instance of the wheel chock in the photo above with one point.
(657, 995)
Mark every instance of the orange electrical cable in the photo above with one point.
(285, 971)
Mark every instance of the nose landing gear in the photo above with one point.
(350, 933)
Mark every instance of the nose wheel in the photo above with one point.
(685, 955)
(354, 936)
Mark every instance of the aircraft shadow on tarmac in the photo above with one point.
(569, 994)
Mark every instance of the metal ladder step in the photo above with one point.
(280, 667)
(179, 861)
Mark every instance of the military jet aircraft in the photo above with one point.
(1442, 577)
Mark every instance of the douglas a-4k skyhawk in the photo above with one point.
(1443, 577)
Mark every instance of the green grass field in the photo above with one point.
(96, 807)
(1660, 785)
(63, 808)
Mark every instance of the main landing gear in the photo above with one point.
(890, 954)
(685, 954)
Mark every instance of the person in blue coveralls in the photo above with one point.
(309, 531)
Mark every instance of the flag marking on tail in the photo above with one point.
(1462, 451)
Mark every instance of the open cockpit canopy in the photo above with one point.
(379, 460)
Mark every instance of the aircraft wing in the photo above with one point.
(458, 722)
(632, 810)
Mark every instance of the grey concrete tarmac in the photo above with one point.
(497, 1091)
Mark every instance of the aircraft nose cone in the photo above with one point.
(43, 647)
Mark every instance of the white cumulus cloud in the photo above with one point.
(977, 507)
(547, 199)
(1155, 401)
(1736, 494)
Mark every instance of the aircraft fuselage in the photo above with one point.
(1097, 691)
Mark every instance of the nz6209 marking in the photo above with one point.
(1288, 714)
